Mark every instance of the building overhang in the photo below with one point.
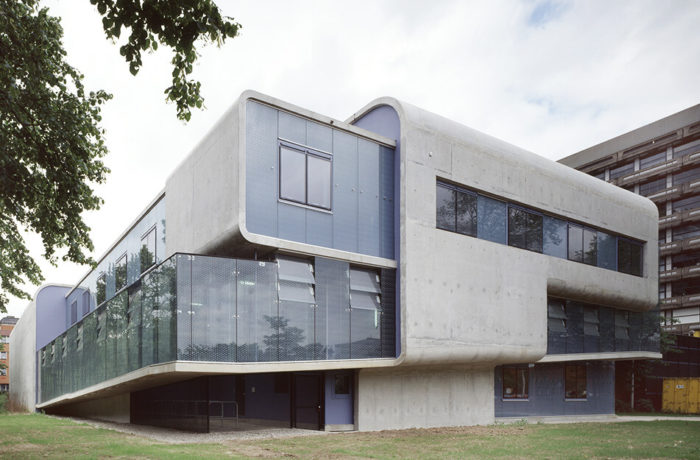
(175, 371)
(612, 356)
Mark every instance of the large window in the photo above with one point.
(305, 176)
(515, 382)
(575, 381)
(148, 250)
(471, 213)
(524, 229)
(652, 160)
(101, 289)
(74, 312)
(621, 171)
(648, 188)
(456, 210)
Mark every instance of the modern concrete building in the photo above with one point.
(662, 162)
(6, 325)
(394, 270)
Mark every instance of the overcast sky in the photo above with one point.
(552, 77)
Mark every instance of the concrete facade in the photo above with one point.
(464, 305)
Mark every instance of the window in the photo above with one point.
(607, 251)
(101, 289)
(305, 176)
(690, 175)
(342, 384)
(686, 204)
(79, 338)
(86, 302)
(622, 325)
(3, 355)
(686, 231)
(648, 188)
(652, 160)
(575, 243)
(515, 382)
(456, 210)
(491, 225)
(556, 315)
(575, 381)
(629, 257)
(3, 371)
(621, 171)
(120, 273)
(686, 149)
(591, 321)
(554, 238)
(147, 255)
(74, 312)
(524, 229)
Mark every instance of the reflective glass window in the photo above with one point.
(554, 237)
(515, 382)
(305, 177)
(591, 321)
(466, 211)
(120, 273)
(621, 170)
(686, 149)
(148, 250)
(690, 175)
(456, 210)
(101, 289)
(445, 208)
(575, 381)
(686, 231)
(86, 302)
(652, 160)
(687, 259)
(491, 223)
(651, 187)
(524, 229)
(607, 251)
(575, 243)
(686, 204)
(74, 312)
(629, 257)
(590, 246)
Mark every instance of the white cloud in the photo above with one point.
(554, 83)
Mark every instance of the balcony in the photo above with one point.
(673, 303)
(211, 309)
(676, 247)
(670, 166)
(678, 218)
(679, 274)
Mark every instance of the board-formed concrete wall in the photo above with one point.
(421, 397)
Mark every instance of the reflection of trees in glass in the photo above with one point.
(101, 289)
(524, 229)
(456, 210)
(289, 340)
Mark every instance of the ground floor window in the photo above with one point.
(575, 381)
(515, 382)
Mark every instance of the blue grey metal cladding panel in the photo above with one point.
(363, 186)
(368, 158)
(332, 294)
(547, 396)
(261, 169)
(345, 195)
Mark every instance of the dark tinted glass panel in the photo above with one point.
(100, 290)
(686, 260)
(342, 384)
(621, 170)
(575, 243)
(686, 203)
(686, 287)
(648, 188)
(319, 182)
(607, 251)
(492, 219)
(575, 381)
(524, 229)
(690, 175)
(629, 257)
(683, 150)
(74, 312)
(554, 237)
(652, 160)
(590, 246)
(446, 202)
(686, 231)
(120, 273)
(148, 250)
(466, 213)
(600, 175)
(515, 382)
(292, 175)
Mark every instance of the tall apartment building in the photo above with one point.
(6, 325)
(661, 161)
(391, 271)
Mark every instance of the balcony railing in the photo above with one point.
(199, 308)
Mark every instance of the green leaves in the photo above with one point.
(178, 25)
(50, 146)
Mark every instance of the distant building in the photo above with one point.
(396, 270)
(661, 161)
(6, 325)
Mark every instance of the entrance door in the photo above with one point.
(307, 404)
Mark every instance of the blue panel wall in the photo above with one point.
(362, 215)
(546, 392)
(50, 314)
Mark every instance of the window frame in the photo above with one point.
(144, 239)
(530, 213)
(306, 151)
(518, 372)
(578, 395)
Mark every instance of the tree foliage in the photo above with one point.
(177, 24)
(51, 142)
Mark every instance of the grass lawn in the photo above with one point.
(34, 436)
